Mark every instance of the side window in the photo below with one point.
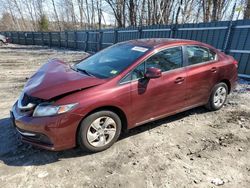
(136, 74)
(212, 55)
(198, 54)
(166, 60)
(126, 78)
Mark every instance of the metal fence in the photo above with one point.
(231, 37)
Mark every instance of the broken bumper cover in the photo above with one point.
(52, 133)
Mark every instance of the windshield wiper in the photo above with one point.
(73, 67)
(84, 71)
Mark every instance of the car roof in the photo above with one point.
(158, 42)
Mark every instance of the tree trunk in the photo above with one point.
(178, 12)
(214, 13)
(247, 10)
(88, 16)
(56, 15)
(131, 9)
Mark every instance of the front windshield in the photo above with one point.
(111, 61)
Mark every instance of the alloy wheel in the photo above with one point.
(220, 96)
(101, 131)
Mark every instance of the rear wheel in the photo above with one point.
(218, 97)
(99, 131)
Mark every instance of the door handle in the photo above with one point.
(179, 80)
(213, 69)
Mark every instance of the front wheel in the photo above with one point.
(218, 97)
(1, 43)
(99, 131)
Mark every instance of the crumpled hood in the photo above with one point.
(57, 78)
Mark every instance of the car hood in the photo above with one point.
(56, 78)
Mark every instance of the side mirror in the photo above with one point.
(153, 73)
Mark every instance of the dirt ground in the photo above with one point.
(196, 148)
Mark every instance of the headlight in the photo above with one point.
(50, 110)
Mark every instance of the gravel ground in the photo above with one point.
(195, 148)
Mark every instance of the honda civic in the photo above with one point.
(90, 103)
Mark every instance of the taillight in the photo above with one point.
(235, 63)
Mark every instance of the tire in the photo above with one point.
(1, 43)
(219, 94)
(99, 131)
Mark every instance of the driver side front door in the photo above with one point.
(158, 97)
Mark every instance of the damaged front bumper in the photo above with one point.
(52, 133)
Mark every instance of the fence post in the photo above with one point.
(140, 32)
(173, 28)
(86, 41)
(42, 38)
(11, 38)
(100, 40)
(59, 39)
(115, 36)
(75, 39)
(33, 39)
(226, 42)
(50, 39)
(67, 39)
(18, 38)
(25, 38)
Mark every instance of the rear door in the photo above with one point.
(152, 98)
(202, 74)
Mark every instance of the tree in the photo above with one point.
(178, 11)
(132, 12)
(118, 7)
(26, 15)
(6, 22)
(56, 15)
(30, 9)
(247, 10)
(43, 23)
(99, 13)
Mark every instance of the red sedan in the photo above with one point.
(118, 88)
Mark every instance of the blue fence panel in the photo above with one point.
(127, 34)
(54, 39)
(108, 38)
(213, 33)
(93, 41)
(81, 40)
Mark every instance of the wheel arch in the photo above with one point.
(227, 82)
(114, 109)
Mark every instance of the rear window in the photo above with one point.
(197, 54)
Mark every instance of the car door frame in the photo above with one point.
(155, 51)
(210, 62)
(184, 63)
(201, 46)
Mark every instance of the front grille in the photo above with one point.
(26, 104)
(29, 99)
